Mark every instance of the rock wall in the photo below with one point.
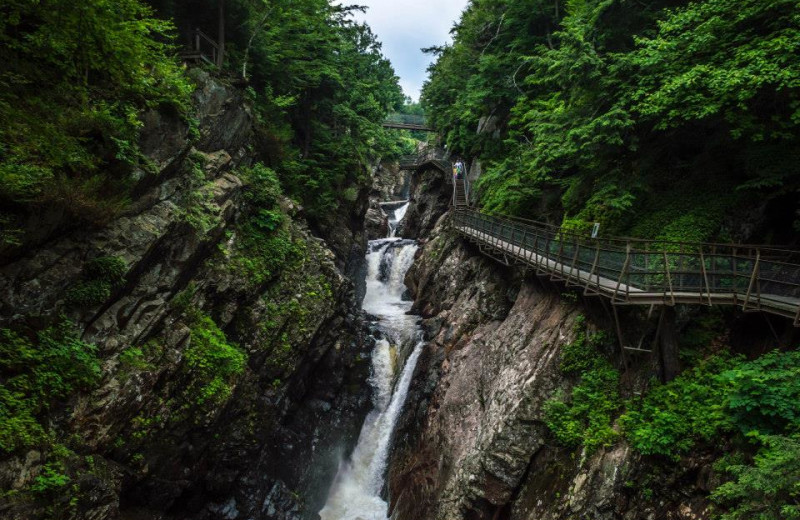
(224, 391)
(430, 195)
(472, 442)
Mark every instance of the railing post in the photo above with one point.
(752, 281)
(574, 261)
(623, 271)
(669, 278)
(705, 277)
(594, 266)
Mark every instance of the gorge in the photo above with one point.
(240, 279)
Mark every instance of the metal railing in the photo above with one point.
(407, 122)
(409, 119)
(203, 48)
(435, 157)
(644, 272)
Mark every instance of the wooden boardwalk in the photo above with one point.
(638, 272)
(631, 271)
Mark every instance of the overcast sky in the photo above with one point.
(406, 26)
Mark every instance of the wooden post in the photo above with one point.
(594, 266)
(705, 277)
(624, 270)
(670, 361)
(669, 277)
(752, 281)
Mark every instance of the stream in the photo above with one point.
(356, 491)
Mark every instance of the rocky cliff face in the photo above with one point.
(473, 444)
(231, 367)
(430, 195)
(389, 183)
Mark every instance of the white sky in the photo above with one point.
(406, 26)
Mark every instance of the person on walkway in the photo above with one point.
(459, 169)
(455, 170)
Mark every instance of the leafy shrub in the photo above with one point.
(51, 479)
(767, 489)
(262, 187)
(212, 363)
(75, 82)
(36, 374)
(585, 417)
(722, 394)
(764, 394)
(673, 417)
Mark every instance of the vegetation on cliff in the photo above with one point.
(617, 112)
(219, 288)
(668, 119)
(749, 409)
(78, 79)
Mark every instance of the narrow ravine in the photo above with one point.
(356, 491)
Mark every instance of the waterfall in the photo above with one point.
(356, 491)
(395, 217)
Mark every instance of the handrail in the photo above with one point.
(199, 33)
(751, 277)
(200, 45)
(626, 239)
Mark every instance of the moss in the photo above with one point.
(295, 308)
(99, 278)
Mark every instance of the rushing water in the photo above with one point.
(395, 217)
(356, 492)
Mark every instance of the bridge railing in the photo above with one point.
(407, 119)
(646, 271)
(431, 155)
(202, 48)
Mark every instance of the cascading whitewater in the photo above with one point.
(395, 217)
(355, 494)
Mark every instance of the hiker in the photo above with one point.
(455, 170)
(459, 169)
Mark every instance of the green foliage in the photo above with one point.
(655, 121)
(673, 417)
(100, 277)
(580, 355)
(722, 394)
(767, 489)
(75, 80)
(319, 85)
(51, 479)
(264, 243)
(212, 363)
(36, 375)
(764, 394)
(585, 417)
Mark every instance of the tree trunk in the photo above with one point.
(221, 34)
